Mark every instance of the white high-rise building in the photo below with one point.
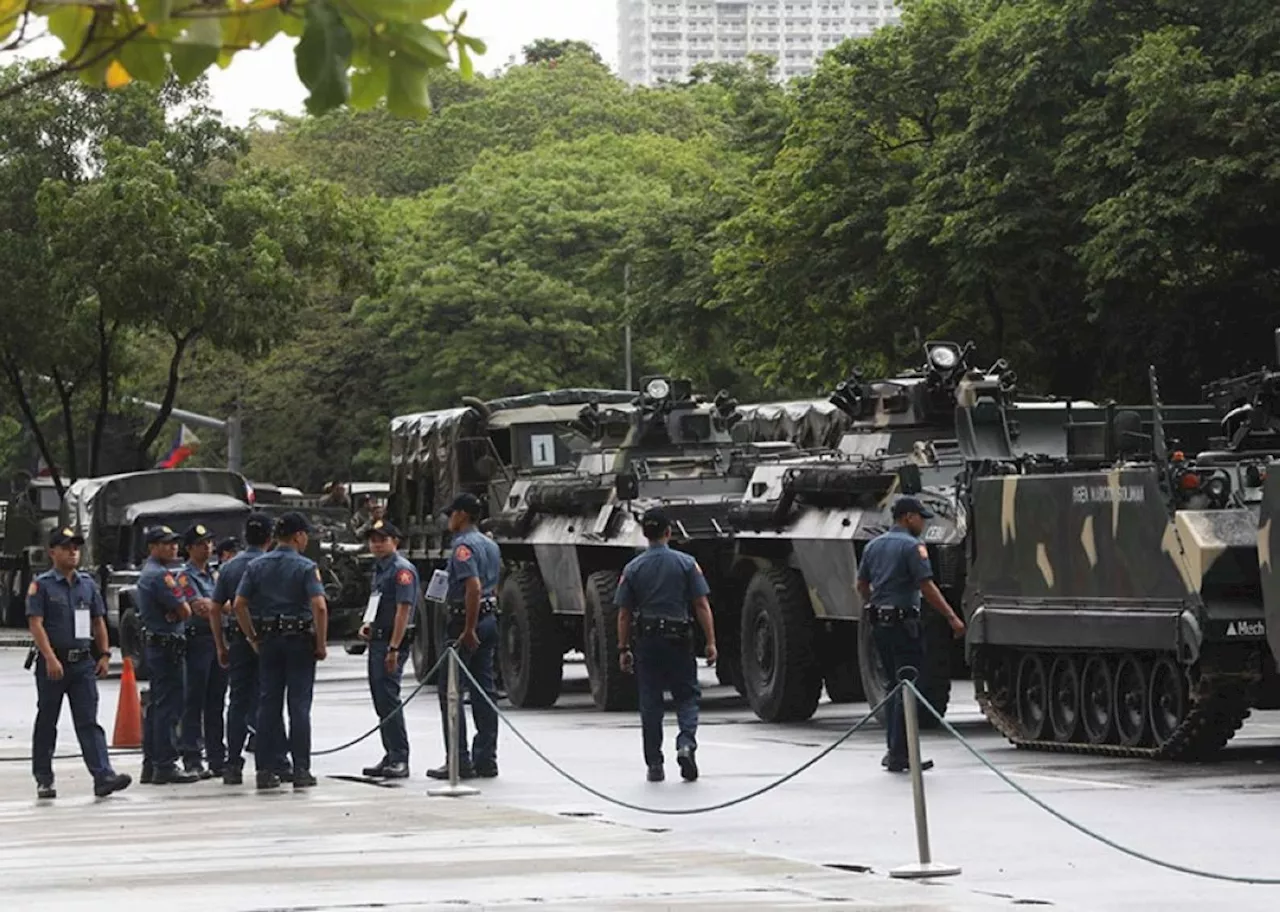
(664, 39)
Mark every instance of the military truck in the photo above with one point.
(478, 447)
(1116, 603)
(568, 535)
(30, 517)
(112, 513)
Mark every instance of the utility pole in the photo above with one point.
(231, 427)
(626, 305)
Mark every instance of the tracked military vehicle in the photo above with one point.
(478, 447)
(1116, 602)
(566, 536)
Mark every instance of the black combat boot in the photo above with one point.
(110, 783)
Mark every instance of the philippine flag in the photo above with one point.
(184, 444)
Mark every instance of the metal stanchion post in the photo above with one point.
(926, 867)
(454, 789)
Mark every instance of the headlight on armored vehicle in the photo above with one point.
(658, 389)
(943, 357)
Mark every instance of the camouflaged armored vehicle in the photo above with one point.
(566, 536)
(1116, 601)
(478, 447)
(30, 516)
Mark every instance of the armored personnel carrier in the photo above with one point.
(1116, 602)
(568, 535)
(478, 447)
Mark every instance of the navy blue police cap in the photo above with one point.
(291, 524)
(904, 505)
(196, 534)
(466, 502)
(655, 522)
(230, 543)
(382, 527)
(65, 535)
(259, 522)
(161, 535)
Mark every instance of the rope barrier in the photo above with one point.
(1080, 827)
(670, 812)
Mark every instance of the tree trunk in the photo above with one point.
(104, 392)
(68, 425)
(170, 393)
(29, 413)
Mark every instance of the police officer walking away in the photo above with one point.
(281, 609)
(206, 691)
(892, 574)
(474, 567)
(67, 620)
(655, 594)
(163, 609)
(394, 597)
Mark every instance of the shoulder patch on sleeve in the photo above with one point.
(170, 581)
(404, 577)
(182, 578)
(922, 551)
(33, 588)
(462, 553)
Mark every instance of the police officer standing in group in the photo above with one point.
(394, 596)
(226, 549)
(892, 574)
(163, 609)
(655, 594)
(281, 609)
(67, 620)
(206, 690)
(474, 566)
(237, 656)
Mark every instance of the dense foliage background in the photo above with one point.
(1081, 186)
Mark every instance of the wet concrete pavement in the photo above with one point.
(534, 840)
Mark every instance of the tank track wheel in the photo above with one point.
(531, 651)
(779, 663)
(612, 689)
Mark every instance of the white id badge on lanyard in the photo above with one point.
(83, 623)
(438, 587)
(371, 610)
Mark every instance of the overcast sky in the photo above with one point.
(265, 78)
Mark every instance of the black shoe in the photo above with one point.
(45, 790)
(285, 775)
(486, 770)
(395, 771)
(171, 775)
(302, 779)
(115, 782)
(656, 773)
(464, 772)
(198, 768)
(267, 781)
(232, 775)
(688, 765)
(148, 774)
(902, 766)
(376, 772)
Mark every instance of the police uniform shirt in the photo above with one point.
(281, 583)
(229, 576)
(196, 583)
(661, 583)
(396, 582)
(56, 599)
(474, 555)
(159, 593)
(895, 564)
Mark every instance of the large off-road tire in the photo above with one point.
(779, 663)
(838, 655)
(133, 643)
(530, 645)
(935, 677)
(611, 688)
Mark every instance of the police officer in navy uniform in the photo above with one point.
(206, 690)
(281, 609)
(395, 586)
(237, 656)
(67, 620)
(474, 566)
(656, 593)
(892, 574)
(163, 609)
(224, 550)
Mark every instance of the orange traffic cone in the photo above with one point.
(129, 711)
